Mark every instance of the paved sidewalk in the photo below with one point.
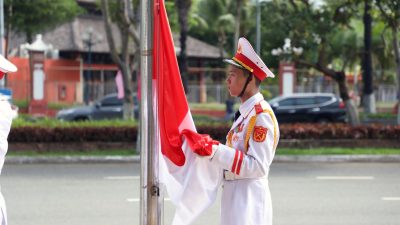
(136, 159)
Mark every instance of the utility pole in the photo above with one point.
(3, 81)
(258, 27)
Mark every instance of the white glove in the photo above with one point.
(7, 114)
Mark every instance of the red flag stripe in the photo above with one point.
(172, 104)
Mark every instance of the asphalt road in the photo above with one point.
(302, 193)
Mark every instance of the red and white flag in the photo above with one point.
(191, 182)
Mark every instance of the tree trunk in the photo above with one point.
(340, 78)
(183, 7)
(221, 42)
(29, 36)
(397, 58)
(128, 107)
(237, 22)
(7, 39)
(368, 91)
(351, 109)
(122, 60)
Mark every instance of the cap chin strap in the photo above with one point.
(249, 78)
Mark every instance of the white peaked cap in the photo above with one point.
(247, 58)
(6, 66)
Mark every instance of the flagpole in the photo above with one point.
(150, 191)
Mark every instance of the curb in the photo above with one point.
(136, 159)
(71, 159)
(338, 158)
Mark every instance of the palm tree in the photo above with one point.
(390, 11)
(183, 7)
(220, 21)
(368, 91)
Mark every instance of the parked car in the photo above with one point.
(308, 107)
(107, 107)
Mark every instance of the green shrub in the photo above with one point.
(386, 115)
(58, 106)
(21, 103)
(121, 133)
(27, 121)
(73, 134)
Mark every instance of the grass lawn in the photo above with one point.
(279, 151)
(338, 151)
(55, 153)
(207, 106)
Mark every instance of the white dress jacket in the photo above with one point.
(246, 160)
(6, 117)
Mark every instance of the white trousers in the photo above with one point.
(3, 211)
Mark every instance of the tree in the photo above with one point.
(368, 90)
(124, 18)
(220, 22)
(321, 31)
(183, 7)
(390, 12)
(238, 16)
(226, 20)
(31, 17)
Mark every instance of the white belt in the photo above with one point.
(229, 176)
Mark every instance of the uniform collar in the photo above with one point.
(248, 105)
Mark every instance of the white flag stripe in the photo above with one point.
(122, 178)
(345, 178)
(391, 198)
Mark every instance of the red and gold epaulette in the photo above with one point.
(259, 109)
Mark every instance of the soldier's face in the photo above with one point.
(236, 78)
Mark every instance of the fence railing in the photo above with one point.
(386, 93)
(74, 92)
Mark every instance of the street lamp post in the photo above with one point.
(258, 27)
(89, 40)
(258, 24)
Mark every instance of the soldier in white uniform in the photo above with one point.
(250, 147)
(7, 114)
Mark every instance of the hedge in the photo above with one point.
(129, 134)
(73, 134)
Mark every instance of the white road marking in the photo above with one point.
(345, 178)
(391, 198)
(138, 199)
(122, 178)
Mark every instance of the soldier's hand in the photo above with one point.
(201, 144)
